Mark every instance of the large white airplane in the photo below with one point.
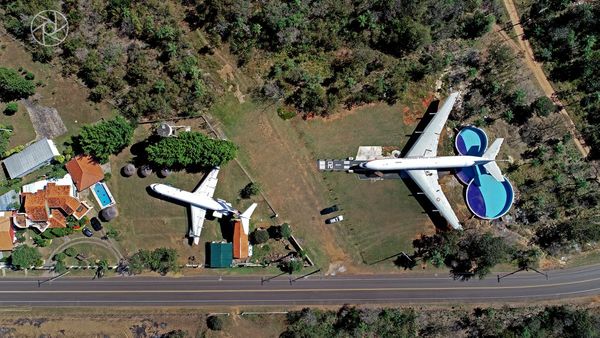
(421, 162)
(201, 200)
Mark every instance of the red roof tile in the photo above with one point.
(84, 171)
(240, 241)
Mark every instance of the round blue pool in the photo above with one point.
(471, 141)
(488, 198)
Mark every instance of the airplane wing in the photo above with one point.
(427, 144)
(427, 180)
(198, 215)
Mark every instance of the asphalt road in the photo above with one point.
(145, 291)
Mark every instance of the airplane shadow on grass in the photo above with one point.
(224, 222)
(438, 220)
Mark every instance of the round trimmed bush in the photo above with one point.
(214, 323)
(11, 108)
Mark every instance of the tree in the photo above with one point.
(13, 86)
(60, 256)
(291, 266)
(214, 323)
(40, 241)
(543, 106)
(71, 252)
(527, 258)
(251, 189)
(190, 150)
(259, 236)
(161, 260)
(477, 24)
(286, 231)
(60, 266)
(105, 138)
(11, 108)
(24, 257)
(111, 232)
(476, 254)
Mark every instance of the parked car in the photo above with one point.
(87, 232)
(330, 210)
(335, 219)
(96, 225)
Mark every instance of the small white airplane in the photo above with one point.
(422, 164)
(201, 200)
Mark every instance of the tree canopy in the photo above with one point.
(24, 257)
(13, 86)
(190, 150)
(105, 138)
(161, 260)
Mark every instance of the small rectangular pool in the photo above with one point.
(102, 194)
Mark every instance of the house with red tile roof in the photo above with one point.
(240, 241)
(49, 207)
(7, 232)
(85, 171)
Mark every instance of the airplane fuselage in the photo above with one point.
(200, 201)
(422, 163)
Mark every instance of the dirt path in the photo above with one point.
(524, 47)
(84, 240)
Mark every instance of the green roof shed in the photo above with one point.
(220, 255)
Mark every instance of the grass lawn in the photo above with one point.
(93, 253)
(22, 128)
(67, 95)
(148, 222)
(382, 218)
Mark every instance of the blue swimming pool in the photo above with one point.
(485, 196)
(103, 195)
(489, 198)
(471, 141)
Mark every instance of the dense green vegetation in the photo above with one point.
(564, 36)
(24, 257)
(13, 86)
(105, 138)
(325, 53)
(11, 108)
(5, 133)
(251, 189)
(350, 321)
(190, 150)
(466, 254)
(161, 260)
(329, 53)
(143, 59)
(551, 321)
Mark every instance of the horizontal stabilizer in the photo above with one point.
(493, 169)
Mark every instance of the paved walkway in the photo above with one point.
(107, 244)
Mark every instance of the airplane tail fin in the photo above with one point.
(245, 217)
(490, 154)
